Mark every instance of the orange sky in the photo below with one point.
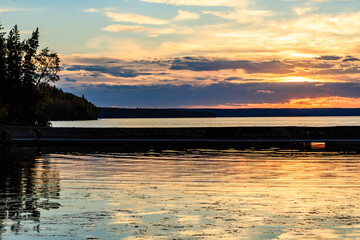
(324, 102)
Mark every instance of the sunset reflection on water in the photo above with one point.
(203, 194)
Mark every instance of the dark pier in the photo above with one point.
(332, 137)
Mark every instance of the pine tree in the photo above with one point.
(26, 97)
(47, 63)
(30, 96)
(14, 70)
(3, 79)
(29, 66)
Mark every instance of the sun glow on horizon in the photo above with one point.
(320, 102)
(298, 79)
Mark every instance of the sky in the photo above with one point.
(200, 53)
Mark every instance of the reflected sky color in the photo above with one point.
(232, 53)
(202, 194)
(212, 122)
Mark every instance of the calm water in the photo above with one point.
(214, 122)
(191, 194)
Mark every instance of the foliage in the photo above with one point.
(26, 97)
(67, 106)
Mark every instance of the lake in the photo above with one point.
(213, 122)
(179, 194)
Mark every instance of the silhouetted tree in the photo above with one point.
(29, 91)
(25, 75)
(20, 73)
(3, 54)
(13, 75)
(47, 67)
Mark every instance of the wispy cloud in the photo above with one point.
(241, 11)
(195, 70)
(118, 71)
(303, 10)
(228, 3)
(334, 58)
(241, 15)
(135, 18)
(91, 10)
(123, 28)
(11, 10)
(351, 59)
(276, 67)
(185, 15)
(345, 23)
(150, 32)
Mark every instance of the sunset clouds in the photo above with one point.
(185, 52)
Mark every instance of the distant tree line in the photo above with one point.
(66, 106)
(26, 96)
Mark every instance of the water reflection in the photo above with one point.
(212, 194)
(214, 122)
(184, 194)
(26, 186)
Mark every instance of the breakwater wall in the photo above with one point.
(217, 134)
